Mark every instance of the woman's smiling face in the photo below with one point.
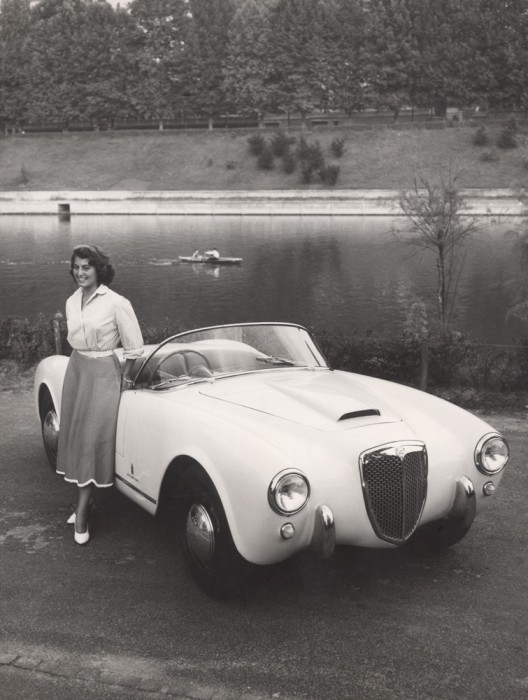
(84, 274)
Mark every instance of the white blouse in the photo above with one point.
(106, 321)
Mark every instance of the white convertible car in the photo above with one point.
(260, 449)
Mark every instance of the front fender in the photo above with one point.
(50, 373)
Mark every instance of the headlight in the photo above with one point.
(288, 492)
(491, 454)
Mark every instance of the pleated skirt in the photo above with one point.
(88, 420)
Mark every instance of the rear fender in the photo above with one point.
(49, 375)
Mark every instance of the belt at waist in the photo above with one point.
(95, 353)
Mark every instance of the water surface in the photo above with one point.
(327, 272)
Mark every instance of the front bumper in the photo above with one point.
(324, 537)
(461, 516)
(464, 507)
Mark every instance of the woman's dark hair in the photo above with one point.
(104, 270)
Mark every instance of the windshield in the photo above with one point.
(206, 354)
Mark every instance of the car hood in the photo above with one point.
(319, 399)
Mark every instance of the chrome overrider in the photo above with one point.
(464, 506)
(324, 537)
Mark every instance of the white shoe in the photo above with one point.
(81, 537)
(71, 519)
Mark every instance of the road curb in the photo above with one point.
(179, 688)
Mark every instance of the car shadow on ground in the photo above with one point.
(349, 570)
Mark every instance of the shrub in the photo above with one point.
(256, 143)
(307, 172)
(315, 155)
(337, 147)
(490, 156)
(481, 137)
(289, 162)
(330, 174)
(26, 341)
(23, 178)
(265, 158)
(507, 138)
(303, 149)
(280, 143)
(311, 159)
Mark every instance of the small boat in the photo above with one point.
(210, 261)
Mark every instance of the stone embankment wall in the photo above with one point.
(494, 203)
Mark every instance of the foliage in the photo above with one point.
(246, 68)
(280, 143)
(289, 162)
(481, 137)
(455, 361)
(26, 341)
(507, 138)
(208, 52)
(265, 158)
(23, 178)
(256, 143)
(329, 174)
(15, 20)
(73, 60)
(337, 147)
(490, 156)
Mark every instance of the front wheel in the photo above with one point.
(206, 538)
(50, 428)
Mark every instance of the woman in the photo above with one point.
(99, 320)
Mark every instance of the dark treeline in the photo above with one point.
(67, 61)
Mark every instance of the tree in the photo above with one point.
(160, 52)
(517, 285)
(388, 54)
(56, 71)
(298, 74)
(14, 29)
(342, 29)
(434, 221)
(247, 72)
(209, 50)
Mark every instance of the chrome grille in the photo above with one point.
(394, 480)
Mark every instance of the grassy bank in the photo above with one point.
(221, 160)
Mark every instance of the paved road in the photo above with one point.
(124, 613)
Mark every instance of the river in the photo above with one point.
(331, 273)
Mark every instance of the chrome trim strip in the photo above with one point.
(135, 488)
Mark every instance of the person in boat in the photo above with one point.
(196, 254)
(212, 254)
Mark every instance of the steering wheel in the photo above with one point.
(204, 370)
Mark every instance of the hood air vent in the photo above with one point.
(360, 414)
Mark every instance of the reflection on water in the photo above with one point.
(326, 272)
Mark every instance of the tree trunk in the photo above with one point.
(441, 288)
(424, 364)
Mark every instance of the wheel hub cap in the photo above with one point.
(200, 532)
(50, 431)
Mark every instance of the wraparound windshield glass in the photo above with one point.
(225, 350)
